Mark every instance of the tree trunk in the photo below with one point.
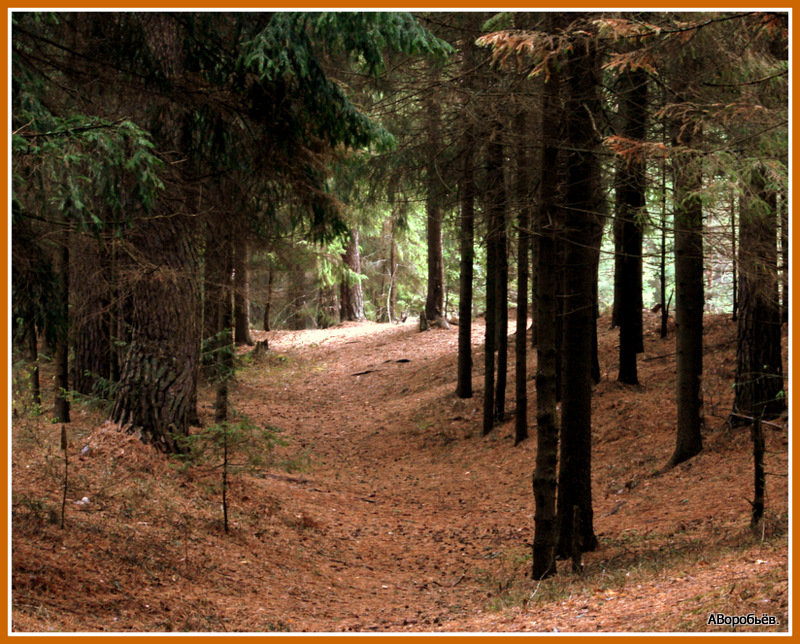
(663, 248)
(241, 293)
(391, 297)
(757, 435)
(630, 188)
(434, 302)
(495, 250)
(32, 343)
(734, 262)
(61, 354)
(224, 347)
(784, 208)
(351, 295)
(582, 207)
(157, 386)
(213, 280)
(523, 244)
(547, 215)
(502, 307)
(467, 235)
(759, 364)
(688, 216)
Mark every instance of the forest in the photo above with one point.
(380, 321)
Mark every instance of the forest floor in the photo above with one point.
(382, 507)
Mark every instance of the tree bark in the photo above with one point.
(581, 213)
(31, 340)
(734, 262)
(466, 238)
(759, 363)
(61, 355)
(224, 344)
(547, 215)
(630, 189)
(434, 302)
(157, 385)
(495, 249)
(688, 216)
(784, 208)
(523, 244)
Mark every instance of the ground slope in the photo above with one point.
(384, 509)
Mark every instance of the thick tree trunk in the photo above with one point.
(351, 298)
(630, 188)
(157, 386)
(547, 215)
(759, 364)
(582, 207)
(241, 293)
(688, 214)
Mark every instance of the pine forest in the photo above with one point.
(371, 321)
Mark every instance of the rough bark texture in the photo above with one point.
(157, 385)
(630, 202)
(547, 214)
(688, 215)
(582, 205)
(759, 365)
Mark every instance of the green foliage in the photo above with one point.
(288, 49)
(87, 168)
(248, 445)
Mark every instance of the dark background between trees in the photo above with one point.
(181, 178)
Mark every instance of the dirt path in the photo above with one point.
(433, 522)
(407, 507)
(385, 509)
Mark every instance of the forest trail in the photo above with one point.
(386, 509)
